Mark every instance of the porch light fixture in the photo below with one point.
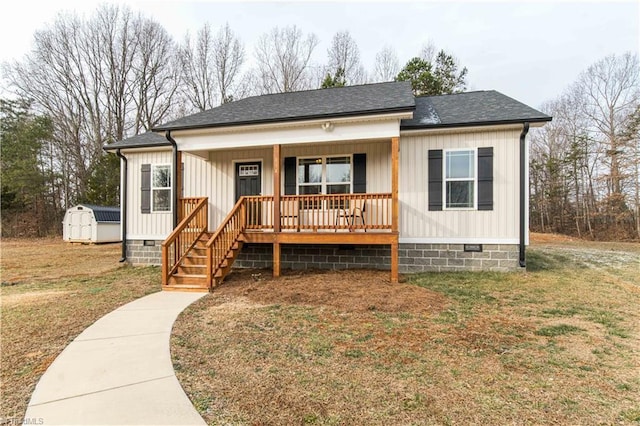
(327, 126)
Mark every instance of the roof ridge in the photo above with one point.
(313, 90)
(456, 94)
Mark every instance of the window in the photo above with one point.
(324, 175)
(459, 179)
(161, 188)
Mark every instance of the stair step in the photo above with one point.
(192, 270)
(180, 278)
(185, 287)
(194, 261)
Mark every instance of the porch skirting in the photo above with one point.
(412, 257)
(144, 252)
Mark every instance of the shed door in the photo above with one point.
(80, 225)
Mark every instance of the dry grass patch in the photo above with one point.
(558, 345)
(44, 311)
(33, 260)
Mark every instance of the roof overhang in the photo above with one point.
(138, 148)
(472, 127)
(336, 129)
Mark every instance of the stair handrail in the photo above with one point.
(191, 227)
(237, 215)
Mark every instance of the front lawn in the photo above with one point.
(556, 345)
(51, 291)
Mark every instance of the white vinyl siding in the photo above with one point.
(418, 224)
(215, 178)
(145, 226)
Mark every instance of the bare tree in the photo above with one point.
(99, 80)
(157, 73)
(429, 51)
(228, 56)
(344, 58)
(387, 65)
(283, 56)
(198, 69)
(584, 165)
(612, 90)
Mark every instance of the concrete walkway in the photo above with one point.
(118, 371)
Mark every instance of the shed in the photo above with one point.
(87, 223)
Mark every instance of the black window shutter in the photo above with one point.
(435, 179)
(485, 178)
(290, 176)
(145, 188)
(359, 173)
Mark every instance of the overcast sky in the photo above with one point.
(528, 50)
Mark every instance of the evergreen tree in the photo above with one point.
(21, 138)
(103, 186)
(337, 80)
(437, 78)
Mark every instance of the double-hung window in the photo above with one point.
(161, 188)
(460, 179)
(324, 175)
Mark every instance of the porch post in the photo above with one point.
(276, 188)
(276, 208)
(395, 151)
(276, 260)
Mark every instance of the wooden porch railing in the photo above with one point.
(222, 242)
(322, 212)
(184, 237)
(187, 205)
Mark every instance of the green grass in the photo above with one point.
(557, 330)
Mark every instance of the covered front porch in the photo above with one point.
(195, 256)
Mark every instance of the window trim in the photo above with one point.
(153, 188)
(323, 181)
(445, 179)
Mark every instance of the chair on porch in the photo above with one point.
(289, 214)
(353, 210)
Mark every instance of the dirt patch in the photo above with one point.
(11, 300)
(351, 291)
(539, 238)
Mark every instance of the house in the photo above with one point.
(355, 177)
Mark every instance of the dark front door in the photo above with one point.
(248, 179)
(249, 182)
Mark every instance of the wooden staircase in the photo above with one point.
(191, 273)
(194, 259)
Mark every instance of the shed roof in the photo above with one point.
(334, 102)
(104, 213)
(469, 109)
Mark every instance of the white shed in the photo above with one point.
(87, 223)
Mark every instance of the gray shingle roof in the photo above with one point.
(305, 105)
(143, 140)
(457, 110)
(470, 108)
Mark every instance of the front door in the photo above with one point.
(248, 183)
(248, 179)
